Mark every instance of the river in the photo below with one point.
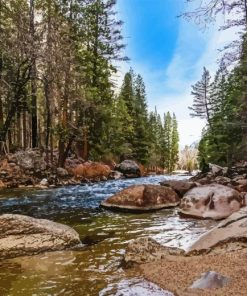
(94, 270)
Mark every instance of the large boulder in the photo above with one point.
(91, 171)
(22, 235)
(142, 198)
(210, 201)
(180, 186)
(129, 169)
(229, 235)
(31, 160)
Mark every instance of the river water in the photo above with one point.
(94, 270)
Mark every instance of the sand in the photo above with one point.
(176, 274)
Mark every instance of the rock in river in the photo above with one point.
(129, 169)
(210, 201)
(180, 186)
(22, 235)
(229, 235)
(142, 198)
(145, 249)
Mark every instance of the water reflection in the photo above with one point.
(95, 269)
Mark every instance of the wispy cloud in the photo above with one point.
(169, 88)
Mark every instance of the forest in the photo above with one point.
(221, 100)
(58, 92)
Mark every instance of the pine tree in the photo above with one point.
(174, 144)
(167, 141)
(201, 92)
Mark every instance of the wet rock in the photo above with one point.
(22, 235)
(142, 198)
(145, 250)
(115, 175)
(44, 182)
(229, 235)
(61, 172)
(210, 280)
(129, 169)
(91, 170)
(179, 186)
(134, 287)
(210, 201)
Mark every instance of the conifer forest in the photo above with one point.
(58, 86)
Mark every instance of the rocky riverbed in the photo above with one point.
(95, 269)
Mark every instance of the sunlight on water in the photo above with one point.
(95, 269)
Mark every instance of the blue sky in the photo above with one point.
(169, 53)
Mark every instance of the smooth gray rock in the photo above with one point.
(22, 235)
(229, 235)
(212, 201)
(129, 168)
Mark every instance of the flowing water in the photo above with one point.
(95, 269)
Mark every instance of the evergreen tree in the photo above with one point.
(174, 144)
(167, 142)
(141, 140)
(202, 106)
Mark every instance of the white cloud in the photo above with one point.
(170, 88)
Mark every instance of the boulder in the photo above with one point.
(129, 169)
(91, 170)
(180, 186)
(210, 201)
(229, 235)
(216, 169)
(145, 250)
(61, 172)
(31, 160)
(44, 183)
(115, 175)
(22, 235)
(142, 198)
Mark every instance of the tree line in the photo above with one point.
(57, 63)
(222, 100)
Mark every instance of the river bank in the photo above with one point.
(30, 169)
(177, 275)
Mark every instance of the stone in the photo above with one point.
(216, 169)
(91, 170)
(134, 287)
(210, 280)
(31, 160)
(145, 250)
(222, 180)
(142, 198)
(179, 186)
(22, 235)
(115, 175)
(210, 201)
(229, 235)
(2, 185)
(44, 182)
(129, 168)
(61, 172)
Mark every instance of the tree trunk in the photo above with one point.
(33, 79)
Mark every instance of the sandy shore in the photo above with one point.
(176, 274)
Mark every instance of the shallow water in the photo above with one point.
(95, 269)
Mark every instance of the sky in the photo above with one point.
(170, 54)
